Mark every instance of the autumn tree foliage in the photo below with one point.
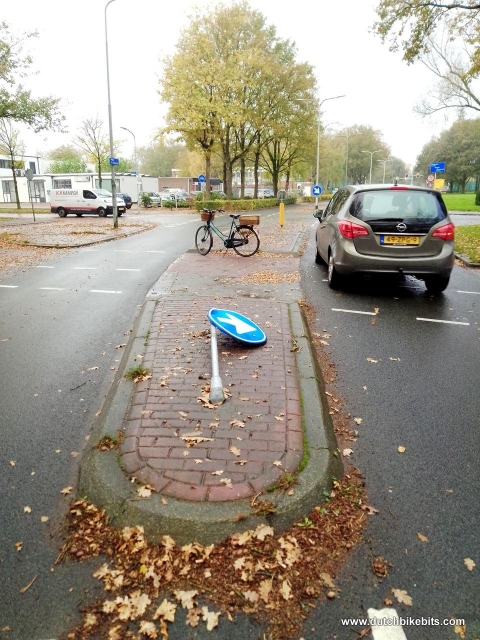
(234, 88)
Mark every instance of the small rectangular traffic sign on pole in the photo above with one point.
(437, 167)
(114, 162)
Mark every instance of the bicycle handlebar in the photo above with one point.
(213, 210)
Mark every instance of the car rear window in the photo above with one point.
(391, 204)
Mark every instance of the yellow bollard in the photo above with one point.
(281, 214)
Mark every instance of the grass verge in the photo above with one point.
(460, 202)
(467, 241)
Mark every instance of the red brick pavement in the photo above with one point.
(229, 452)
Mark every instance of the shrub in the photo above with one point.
(146, 200)
(477, 198)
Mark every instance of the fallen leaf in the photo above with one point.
(240, 462)
(210, 617)
(163, 500)
(279, 418)
(277, 463)
(12, 463)
(286, 590)
(148, 629)
(327, 580)
(422, 537)
(262, 531)
(27, 509)
(251, 596)
(346, 453)
(395, 359)
(227, 482)
(166, 611)
(186, 598)
(44, 519)
(369, 509)
(264, 589)
(193, 616)
(74, 454)
(460, 630)
(217, 473)
(93, 368)
(371, 360)
(469, 563)
(120, 346)
(198, 461)
(182, 413)
(402, 597)
(18, 546)
(402, 449)
(358, 420)
(235, 451)
(237, 423)
(144, 491)
(66, 491)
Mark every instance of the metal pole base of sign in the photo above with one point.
(216, 386)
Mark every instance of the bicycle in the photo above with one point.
(242, 238)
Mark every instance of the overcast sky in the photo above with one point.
(334, 36)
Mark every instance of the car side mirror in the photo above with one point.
(318, 214)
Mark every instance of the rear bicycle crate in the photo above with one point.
(249, 220)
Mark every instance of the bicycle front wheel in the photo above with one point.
(203, 240)
(245, 241)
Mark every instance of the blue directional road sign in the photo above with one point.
(201, 178)
(114, 162)
(237, 326)
(437, 167)
(316, 190)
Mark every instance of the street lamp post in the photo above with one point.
(114, 186)
(318, 136)
(371, 161)
(347, 136)
(136, 162)
(384, 165)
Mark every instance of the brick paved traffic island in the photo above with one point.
(179, 444)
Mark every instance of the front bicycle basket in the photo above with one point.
(205, 216)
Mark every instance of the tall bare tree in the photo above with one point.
(12, 146)
(94, 142)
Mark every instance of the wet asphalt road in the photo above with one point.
(61, 324)
(422, 394)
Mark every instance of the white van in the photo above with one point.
(80, 201)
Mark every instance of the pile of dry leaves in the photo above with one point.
(278, 578)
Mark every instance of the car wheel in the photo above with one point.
(318, 257)
(61, 212)
(79, 215)
(129, 206)
(334, 278)
(102, 212)
(436, 284)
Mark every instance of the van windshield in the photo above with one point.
(103, 192)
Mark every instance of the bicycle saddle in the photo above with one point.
(234, 215)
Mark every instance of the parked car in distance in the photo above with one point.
(266, 193)
(126, 198)
(389, 229)
(155, 197)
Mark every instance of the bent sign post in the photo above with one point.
(236, 326)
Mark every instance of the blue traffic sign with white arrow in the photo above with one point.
(236, 326)
(316, 190)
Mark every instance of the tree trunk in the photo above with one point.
(255, 170)
(242, 178)
(99, 173)
(208, 171)
(12, 159)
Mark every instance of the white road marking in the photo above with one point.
(365, 313)
(9, 286)
(153, 251)
(127, 269)
(466, 324)
(386, 631)
(41, 266)
(85, 268)
(102, 291)
(91, 249)
(51, 289)
(477, 293)
(124, 250)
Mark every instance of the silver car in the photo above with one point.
(372, 229)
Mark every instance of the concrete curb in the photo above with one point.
(467, 262)
(103, 482)
(87, 244)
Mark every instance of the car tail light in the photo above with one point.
(445, 232)
(351, 229)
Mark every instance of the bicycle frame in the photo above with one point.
(210, 224)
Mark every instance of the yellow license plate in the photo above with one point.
(403, 240)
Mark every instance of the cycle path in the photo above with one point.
(203, 463)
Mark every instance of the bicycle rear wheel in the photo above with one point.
(245, 241)
(203, 240)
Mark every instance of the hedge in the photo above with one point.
(241, 205)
